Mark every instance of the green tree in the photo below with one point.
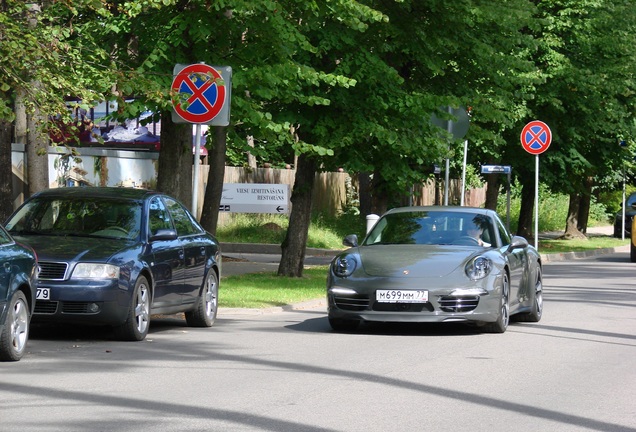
(45, 57)
(587, 54)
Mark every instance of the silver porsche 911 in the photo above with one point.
(436, 264)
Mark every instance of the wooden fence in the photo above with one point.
(330, 189)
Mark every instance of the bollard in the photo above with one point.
(371, 220)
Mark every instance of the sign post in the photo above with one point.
(501, 169)
(536, 137)
(457, 129)
(203, 94)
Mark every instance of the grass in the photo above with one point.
(262, 290)
(592, 243)
(324, 233)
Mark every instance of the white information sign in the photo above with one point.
(255, 198)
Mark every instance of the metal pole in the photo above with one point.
(508, 205)
(536, 202)
(464, 172)
(449, 129)
(623, 223)
(195, 177)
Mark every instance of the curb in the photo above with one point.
(565, 256)
(310, 304)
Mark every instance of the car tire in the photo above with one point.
(503, 317)
(632, 251)
(207, 304)
(343, 325)
(537, 302)
(15, 332)
(136, 326)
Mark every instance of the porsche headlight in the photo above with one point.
(478, 268)
(95, 271)
(344, 265)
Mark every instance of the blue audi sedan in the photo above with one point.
(116, 256)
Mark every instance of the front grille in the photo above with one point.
(357, 303)
(52, 270)
(458, 304)
(45, 307)
(402, 307)
(75, 308)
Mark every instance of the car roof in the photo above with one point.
(459, 209)
(97, 192)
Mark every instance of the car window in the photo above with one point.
(503, 234)
(428, 227)
(183, 222)
(158, 216)
(4, 238)
(90, 216)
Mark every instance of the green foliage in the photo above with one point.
(553, 209)
(355, 83)
(324, 232)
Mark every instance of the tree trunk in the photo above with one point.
(379, 197)
(251, 159)
(293, 247)
(6, 191)
(214, 188)
(571, 222)
(585, 205)
(492, 191)
(525, 227)
(364, 194)
(36, 155)
(20, 119)
(174, 173)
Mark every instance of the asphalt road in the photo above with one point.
(287, 371)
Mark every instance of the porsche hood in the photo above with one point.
(428, 261)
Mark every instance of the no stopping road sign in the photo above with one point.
(536, 137)
(206, 90)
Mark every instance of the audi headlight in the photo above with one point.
(95, 271)
(344, 265)
(478, 268)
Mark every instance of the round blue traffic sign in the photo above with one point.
(205, 90)
(536, 137)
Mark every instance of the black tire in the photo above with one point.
(503, 318)
(343, 325)
(138, 321)
(632, 252)
(15, 333)
(537, 302)
(207, 304)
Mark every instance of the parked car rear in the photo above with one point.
(630, 211)
(17, 295)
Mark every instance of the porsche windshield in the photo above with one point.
(443, 227)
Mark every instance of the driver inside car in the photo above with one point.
(475, 232)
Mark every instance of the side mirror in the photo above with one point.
(517, 242)
(351, 240)
(164, 234)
